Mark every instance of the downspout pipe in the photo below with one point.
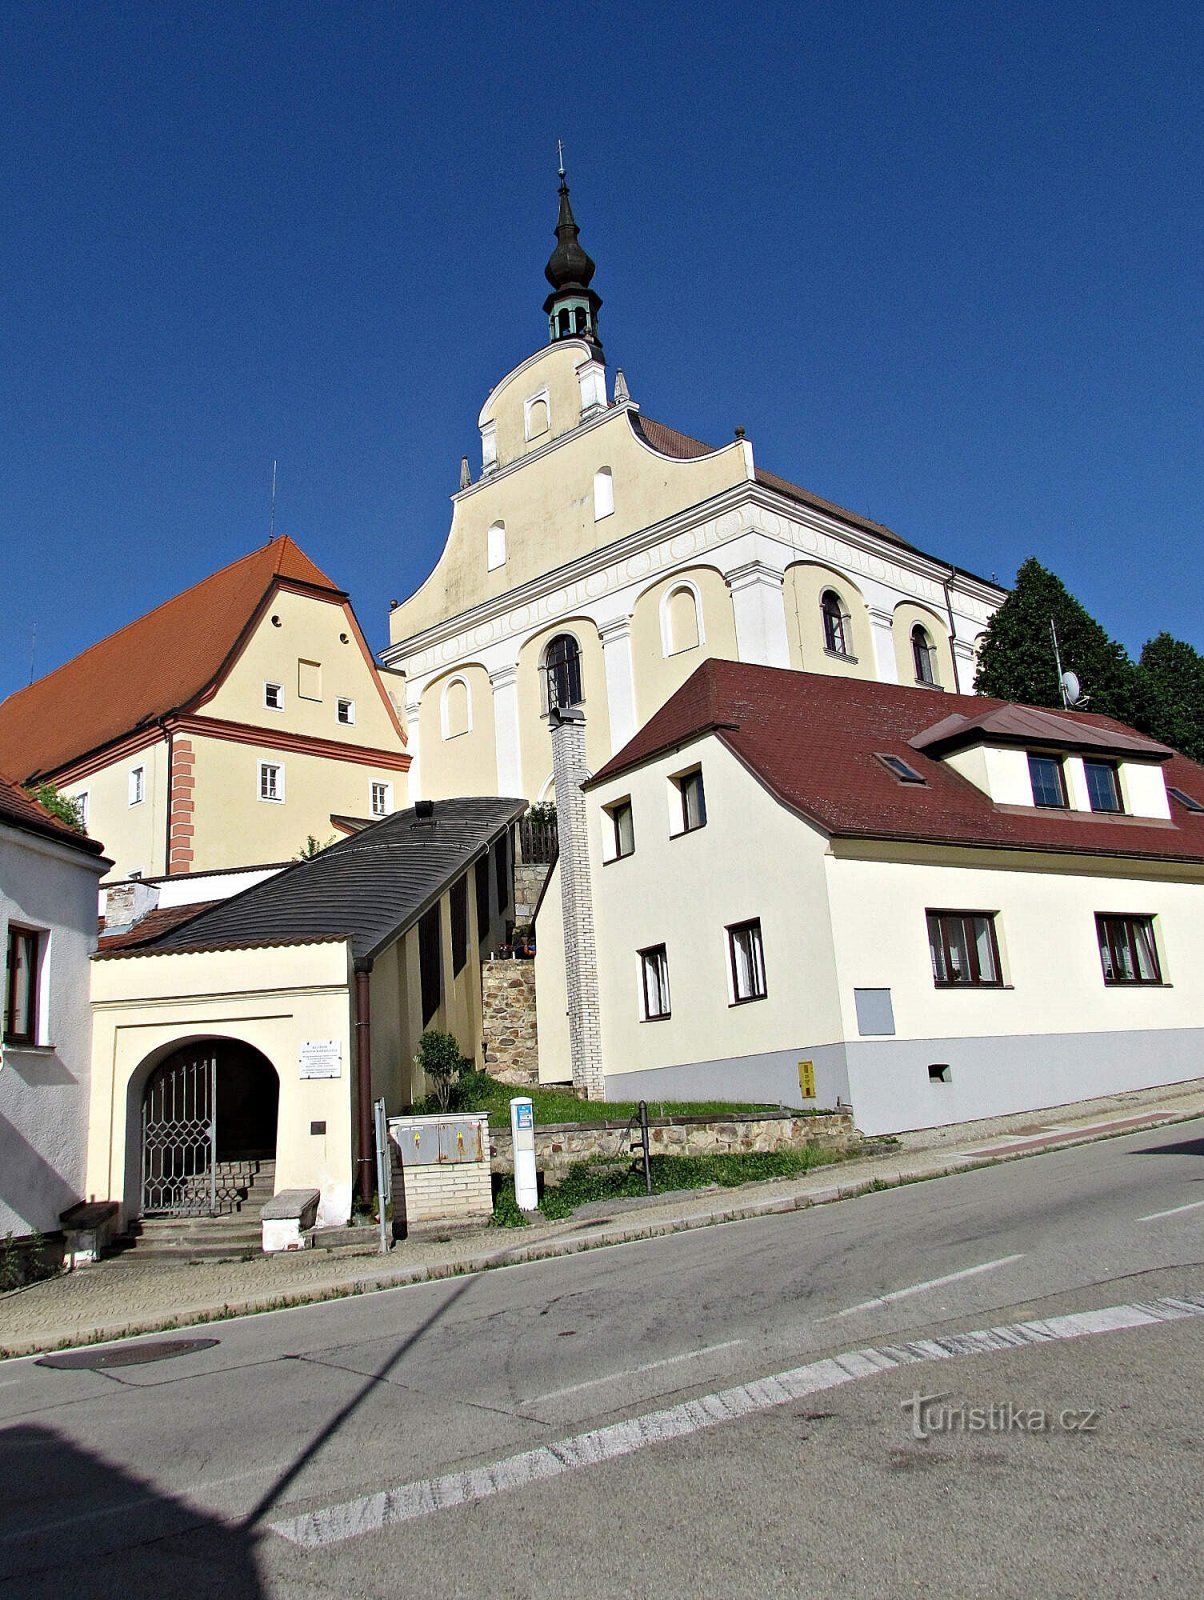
(945, 582)
(364, 1156)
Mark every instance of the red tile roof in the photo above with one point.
(161, 920)
(814, 740)
(20, 810)
(153, 666)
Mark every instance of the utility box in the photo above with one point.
(445, 1166)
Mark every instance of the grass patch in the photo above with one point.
(586, 1181)
(477, 1091)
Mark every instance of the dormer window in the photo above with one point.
(1048, 781)
(1103, 786)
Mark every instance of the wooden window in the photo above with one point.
(273, 696)
(747, 961)
(381, 798)
(654, 983)
(459, 924)
(21, 988)
(430, 962)
(345, 711)
(622, 830)
(693, 801)
(1048, 781)
(1128, 951)
(964, 949)
(835, 620)
(562, 667)
(923, 655)
(1103, 785)
(271, 780)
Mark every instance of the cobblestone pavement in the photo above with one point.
(123, 1296)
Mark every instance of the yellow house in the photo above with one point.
(247, 1042)
(224, 727)
(806, 889)
(602, 555)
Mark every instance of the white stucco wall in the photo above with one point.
(44, 1088)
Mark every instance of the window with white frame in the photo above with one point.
(81, 803)
(1128, 951)
(273, 696)
(654, 983)
(345, 711)
(747, 958)
(691, 800)
(381, 798)
(620, 830)
(137, 785)
(21, 985)
(604, 493)
(271, 780)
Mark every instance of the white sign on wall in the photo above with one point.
(320, 1058)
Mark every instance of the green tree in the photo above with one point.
(1170, 694)
(1017, 660)
(59, 805)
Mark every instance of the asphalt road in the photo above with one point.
(259, 1465)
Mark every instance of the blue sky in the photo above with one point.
(940, 260)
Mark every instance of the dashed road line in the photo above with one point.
(1193, 1205)
(411, 1501)
(634, 1372)
(930, 1283)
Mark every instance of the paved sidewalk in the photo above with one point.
(121, 1296)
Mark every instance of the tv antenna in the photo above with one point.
(1068, 682)
(272, 518)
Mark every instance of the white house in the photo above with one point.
(48, 896)
(933, 907)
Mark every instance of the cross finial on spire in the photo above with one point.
(560, 155)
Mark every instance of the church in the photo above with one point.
(599, 556)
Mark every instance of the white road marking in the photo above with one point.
(409, 1501)
(632, 1372)
(931, 1283)
(1193, 1205)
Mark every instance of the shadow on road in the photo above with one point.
(74, 1524)
(1187, 1147)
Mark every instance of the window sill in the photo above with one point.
(841, 655)
(947, 988)
(682, 832)
(609, 861)
(664, 1016)
(1136, 983)
(922, 683)
(27, 1049)
(747, 1000)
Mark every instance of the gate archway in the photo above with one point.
(209, 1114)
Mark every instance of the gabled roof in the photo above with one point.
(21, 810)
(815, 741)
(367, 889)
(158, 664)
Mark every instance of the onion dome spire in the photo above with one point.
(572, 307)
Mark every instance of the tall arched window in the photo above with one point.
(604, 493)
(836, 619)
(562, 665)
(495, 546)
(923, 654)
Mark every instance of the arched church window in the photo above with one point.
(604, 493)
(565, 326)
(537, 416)
(923, 654)
(579, 318)
(836, 620)
(682, 621)
(457, 708)
(562, 667)
(495, 546)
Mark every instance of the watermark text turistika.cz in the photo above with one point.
(933, 1414)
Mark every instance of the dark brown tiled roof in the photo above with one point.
(21, 810)
(368, 888)
(1031, 725)
(668, 441)
(154, 923)
(814, 742)
(152, 666)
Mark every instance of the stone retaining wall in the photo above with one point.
(508, 1028)
(558, 1145)
(529, 878)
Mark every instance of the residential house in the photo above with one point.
(808, 888)
(225, 726)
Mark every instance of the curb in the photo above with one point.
(587, 1236)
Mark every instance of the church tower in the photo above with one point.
(572, 307)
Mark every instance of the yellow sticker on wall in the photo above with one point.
(806, 1079)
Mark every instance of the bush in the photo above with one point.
(441, 1059)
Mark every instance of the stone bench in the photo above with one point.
(87, 1229)
(288, 1219)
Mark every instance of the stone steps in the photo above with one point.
(231, 1236)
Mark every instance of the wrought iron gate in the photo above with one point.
(179, 1138)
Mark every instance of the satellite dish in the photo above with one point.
(1072, 689)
